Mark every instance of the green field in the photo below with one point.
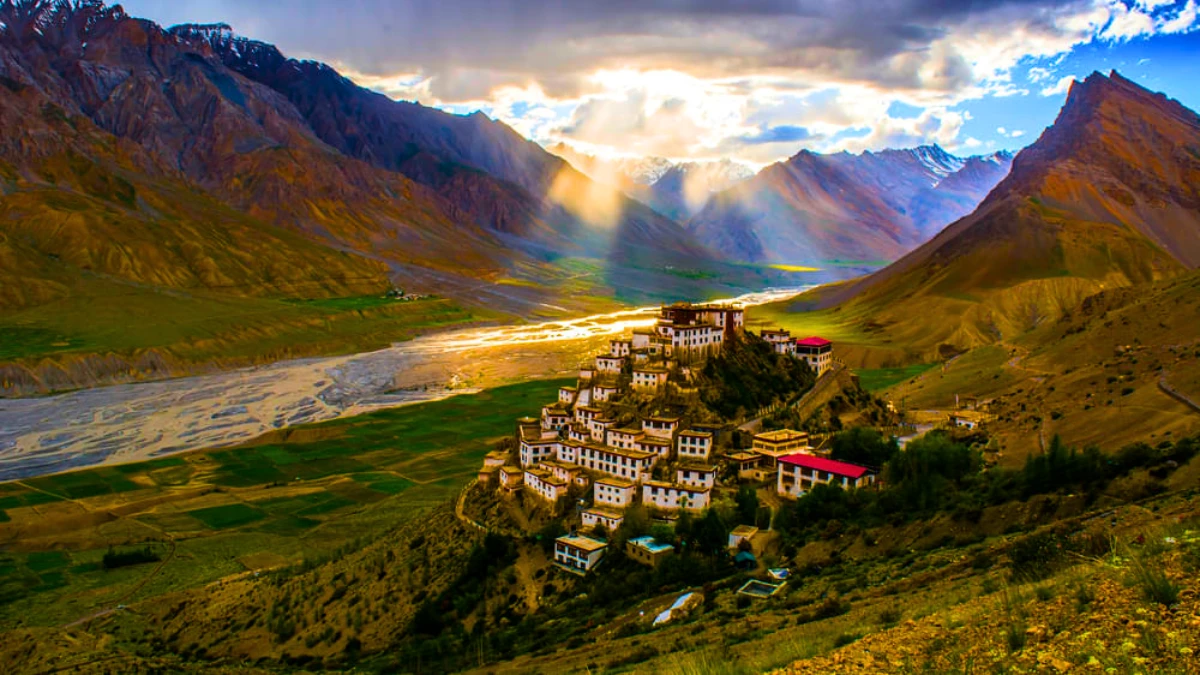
(197, 326)
(230, 515)
(83, 484)
(291, 495)
(877, 379)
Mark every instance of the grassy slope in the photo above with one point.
(1104, 615)
(1091, 377)
(928, 597)
(296, 494)
(197, 327)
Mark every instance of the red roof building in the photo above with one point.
(798, 474)
(817, 351)
(828, 465)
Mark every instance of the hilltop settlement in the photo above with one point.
(630, 433)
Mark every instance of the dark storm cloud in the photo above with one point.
(471, 45)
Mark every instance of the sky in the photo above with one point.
(755, 80)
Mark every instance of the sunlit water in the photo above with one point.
(151, 419)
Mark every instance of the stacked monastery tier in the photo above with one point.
(576, 444)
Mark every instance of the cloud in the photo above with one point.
(1037, 74)
(689, 79)
(1060, 87)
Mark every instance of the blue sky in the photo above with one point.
(755, 81)
(1161, 63)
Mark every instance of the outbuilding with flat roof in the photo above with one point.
(647, 551)
(578, 554)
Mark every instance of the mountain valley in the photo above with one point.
(301, 376)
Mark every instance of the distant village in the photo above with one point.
(576, 445)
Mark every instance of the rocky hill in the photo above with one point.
(873, 206)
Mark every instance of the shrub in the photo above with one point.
(889, 616)
(1155, 584)
(1033, 558)
(982, 561)
(845, 639)
(1084, 596)
(114, 559)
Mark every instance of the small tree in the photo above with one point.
(663, 534)
(747, 505)
(711, 533)
(636, 523)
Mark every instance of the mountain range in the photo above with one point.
(1108, 196)
(678, 190)
(191, 159)
(174, 162)
(871, 206)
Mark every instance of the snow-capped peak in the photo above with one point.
(939, 162)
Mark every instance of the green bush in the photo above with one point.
(114, 559)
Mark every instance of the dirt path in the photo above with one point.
(460, 507)
(120, 602)
(1174, 393)
(1037, 377)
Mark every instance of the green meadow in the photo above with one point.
(878, 379)
(199, 326)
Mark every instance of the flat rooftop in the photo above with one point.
(650, 544)
(583, 543)
(674, 486)
(781, 435)
(605, 513)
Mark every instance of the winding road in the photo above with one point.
(132, 422)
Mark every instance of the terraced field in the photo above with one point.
(293, 495)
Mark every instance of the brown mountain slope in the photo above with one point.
(77, 203)
(1108, 196)
(873, 206)
(303, 151)
(127, 97)
(503, 181)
